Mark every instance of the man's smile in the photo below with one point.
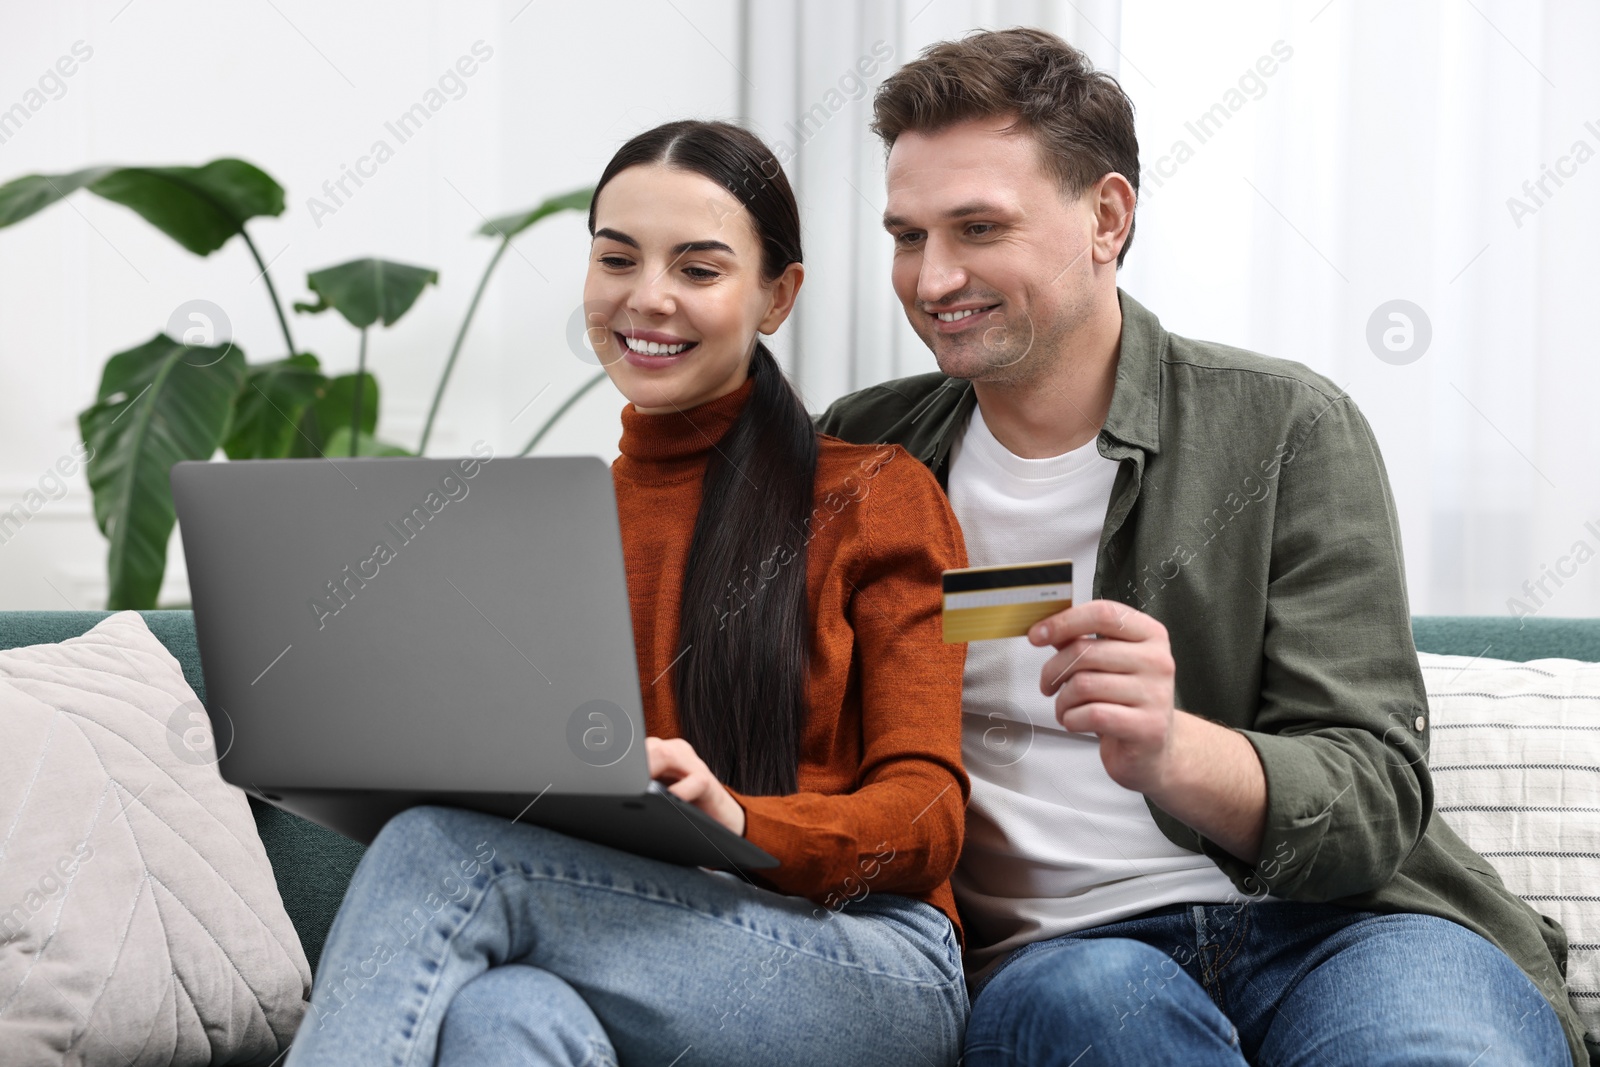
(955, 320)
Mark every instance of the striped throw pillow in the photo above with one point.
(1515, 757)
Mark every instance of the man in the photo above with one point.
(1201, 825)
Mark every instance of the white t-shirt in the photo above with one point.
(1053, 844)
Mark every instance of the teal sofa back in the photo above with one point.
(313, 866)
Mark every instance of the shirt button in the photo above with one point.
(1420, 723)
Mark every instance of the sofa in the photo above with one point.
(312, 866)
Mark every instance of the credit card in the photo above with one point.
(982, 603)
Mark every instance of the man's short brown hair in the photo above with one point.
(1080, 117)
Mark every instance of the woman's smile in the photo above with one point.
(653, 348)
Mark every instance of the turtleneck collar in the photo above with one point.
(674, 445)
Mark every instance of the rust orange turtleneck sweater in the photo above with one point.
(881, 789)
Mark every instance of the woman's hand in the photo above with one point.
(675, 765)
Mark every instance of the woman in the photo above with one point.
(785, 591)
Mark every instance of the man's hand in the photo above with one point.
(674, 764)
(1112, 675)
(1118, 685)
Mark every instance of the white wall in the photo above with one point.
(1376, 164)
(302, 89)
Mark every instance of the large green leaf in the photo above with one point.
(508, 226)
(199, 207)
(366, 445)
(159, 403)
(366, 290)
(330, 412)
(267, 413)
(21, 197)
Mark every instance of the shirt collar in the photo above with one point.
(1135, 415)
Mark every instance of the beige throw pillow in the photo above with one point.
(139, 920)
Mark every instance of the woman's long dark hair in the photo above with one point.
(742, 688)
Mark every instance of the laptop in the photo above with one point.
(378, 633)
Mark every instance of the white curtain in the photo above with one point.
(1306, 165)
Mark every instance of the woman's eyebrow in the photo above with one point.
(677, 250)
(701, 246)
(617, 236)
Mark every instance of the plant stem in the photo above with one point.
(455, 349)
(361, 389)
(272, 291)
(562, 410)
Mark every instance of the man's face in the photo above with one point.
(992, 260)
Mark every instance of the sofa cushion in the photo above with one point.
(139, 919)
(1515, 759)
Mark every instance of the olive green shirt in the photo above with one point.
(1251, 515)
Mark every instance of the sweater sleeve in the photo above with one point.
(900, 830)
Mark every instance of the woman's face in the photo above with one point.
(674, 296)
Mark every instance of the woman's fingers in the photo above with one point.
(670, 759)
(690, 787)
(675, 763)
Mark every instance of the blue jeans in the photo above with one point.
(471, 939)
(1272, 983)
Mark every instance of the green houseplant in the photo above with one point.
(170, 399)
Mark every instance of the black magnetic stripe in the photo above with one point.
(1007, 577)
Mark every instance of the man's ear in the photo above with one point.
(782, 293)
(1112, 199)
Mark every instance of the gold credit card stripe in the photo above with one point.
(1019, 594)
(1003, 620)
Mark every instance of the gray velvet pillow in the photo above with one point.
(139, 920)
